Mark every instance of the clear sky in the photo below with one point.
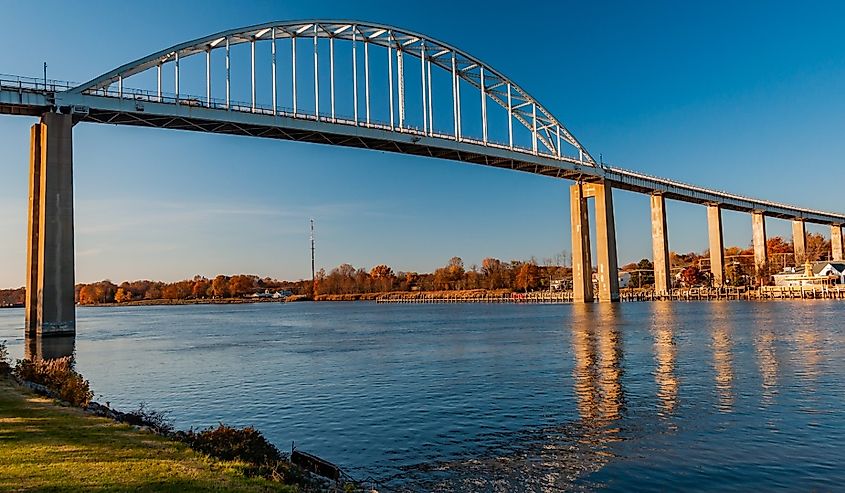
(746, 97)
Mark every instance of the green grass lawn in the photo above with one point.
(45, 447)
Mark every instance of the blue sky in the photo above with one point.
(743, 98)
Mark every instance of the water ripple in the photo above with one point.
(650, 396)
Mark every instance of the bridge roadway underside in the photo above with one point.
(347, 136)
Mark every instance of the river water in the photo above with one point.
(727, 396)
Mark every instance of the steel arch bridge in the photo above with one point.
(354, 84)
(323, 81)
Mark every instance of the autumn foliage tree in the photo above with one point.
(691, 276)
(528, 276)
(200, 288)
(241, 285)
(220, 287)
(98, 292)
(495, 273)
(451, 276)
(382, 277)
(122, 295)
(818, 247)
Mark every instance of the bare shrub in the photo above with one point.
(144, 416)
(4, 359)
(228, 443)
(58, 376)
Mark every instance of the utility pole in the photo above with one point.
(313, 272)
(45, 75)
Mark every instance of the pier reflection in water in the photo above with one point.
(663, 326)
(722, 358)
(659, 396)
(765, 341)
(808, 354)
(556, 457)
(49, 347)
(597, 350)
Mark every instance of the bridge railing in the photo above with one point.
(647, 181)
(9, 81)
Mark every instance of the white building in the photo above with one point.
(830, 269)
(813, 274)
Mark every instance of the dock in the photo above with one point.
(627, 295)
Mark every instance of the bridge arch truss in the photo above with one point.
(548, 136)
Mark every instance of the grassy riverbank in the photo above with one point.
(47, 447)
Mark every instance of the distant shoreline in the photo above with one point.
(349, 297)
(204, 301)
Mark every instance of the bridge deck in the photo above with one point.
(18, 97)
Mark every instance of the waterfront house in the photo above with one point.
(813, 274)
(830, 269)
(265, 294)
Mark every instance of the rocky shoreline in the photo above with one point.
(156, 423)
(97, 409)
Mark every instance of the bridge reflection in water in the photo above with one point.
(612, 412)
(606, 394)
(555, 457)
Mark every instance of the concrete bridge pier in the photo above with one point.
(717, 245)
(836, 245)
(582, 263)
(799, 241)
(758, 239)
(608, 269)
(50, 306)
(660, 244)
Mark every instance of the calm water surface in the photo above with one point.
(650, 396)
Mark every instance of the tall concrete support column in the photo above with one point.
(34, 215)
(799, 241)
(836, 245)
(717, 245)
(758, 239)
(50, 306)
(582, 264)
(608, 268)
(660, 244)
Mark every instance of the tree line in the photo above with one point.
(199, 287)
(514, 275)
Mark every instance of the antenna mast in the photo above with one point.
(313, 273)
